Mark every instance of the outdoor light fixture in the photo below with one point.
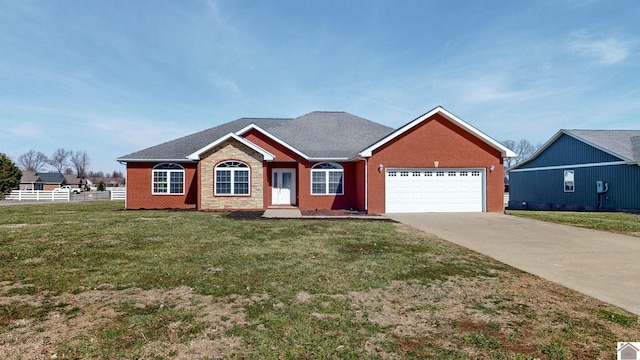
(492, 168)
(380, 167)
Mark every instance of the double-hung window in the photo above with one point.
(327, 179)
(168, 179)
(232, 178)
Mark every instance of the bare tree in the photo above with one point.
(80, 161)
(59, 159)
(117, 174)
(511, 144)
(523, 149)
(33, 161)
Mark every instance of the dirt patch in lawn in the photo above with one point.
(73, 320)
(509, 313)
(13, 226)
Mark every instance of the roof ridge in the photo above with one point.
(259, 118)
(329, 111)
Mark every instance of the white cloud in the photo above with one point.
(605, 51)
(225, 84)
(500, 87)
(27, 130)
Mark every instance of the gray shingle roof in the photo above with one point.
(28, 177)
(180, 148)
(623, 143)
(51, 178)
(330, 134)
(318, 134)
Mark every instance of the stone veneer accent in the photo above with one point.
(231, 150)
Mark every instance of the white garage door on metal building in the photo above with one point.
(434, 190)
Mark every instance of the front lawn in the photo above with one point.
(92, 281)
(618, 222)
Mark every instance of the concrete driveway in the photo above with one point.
(603, 265)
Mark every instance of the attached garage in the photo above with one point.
(414, 190)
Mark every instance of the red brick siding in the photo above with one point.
(437, 139)
(285, 158)
(281, 153)
(306, 201)
(139, 188)
(359, 186)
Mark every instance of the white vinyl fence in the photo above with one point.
(49, 195)
(38, 195)
(118, 193)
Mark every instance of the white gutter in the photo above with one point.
(571, 166)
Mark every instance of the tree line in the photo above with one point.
(63, 161)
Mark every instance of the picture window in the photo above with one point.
(168, 178)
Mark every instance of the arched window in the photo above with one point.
(168, 178)
(232, 178)
(327, 179)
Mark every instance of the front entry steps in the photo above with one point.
(282, 212)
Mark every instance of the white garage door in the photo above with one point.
(434, 190)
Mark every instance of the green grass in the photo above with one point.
(158, 284)
(74, 249)
(617, 222)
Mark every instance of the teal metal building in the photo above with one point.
(580, 170)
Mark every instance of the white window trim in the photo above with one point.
(168, 182)
(337, 168)
(233, 183)
(572, 181)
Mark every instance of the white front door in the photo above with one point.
(283, 187)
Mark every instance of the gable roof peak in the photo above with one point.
(624, 144)
(450, 117)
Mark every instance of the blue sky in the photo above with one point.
(114, 77)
